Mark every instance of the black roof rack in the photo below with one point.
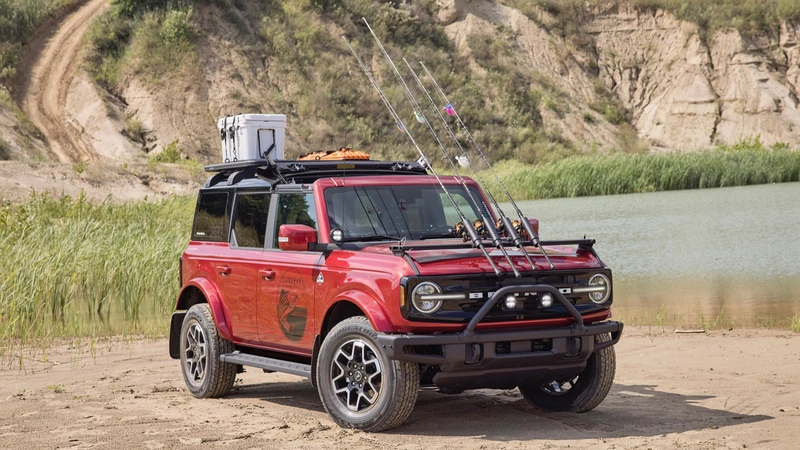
(275, 172)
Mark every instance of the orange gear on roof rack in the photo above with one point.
(343, 154)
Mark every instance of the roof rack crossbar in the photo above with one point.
(293, 167)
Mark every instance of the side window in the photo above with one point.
(250, 219)
(464, 205)
(295, 209)
(210, 219)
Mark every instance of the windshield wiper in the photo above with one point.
(439, 235)
(370, 238)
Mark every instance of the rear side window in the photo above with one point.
(250, 219)
(210, 219)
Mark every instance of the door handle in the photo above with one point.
(267, 274)
(224, 270)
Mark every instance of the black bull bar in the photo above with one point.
(469, 358)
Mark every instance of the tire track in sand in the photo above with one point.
(44, 96)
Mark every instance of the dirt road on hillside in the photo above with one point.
(43, 90)
(728, 390)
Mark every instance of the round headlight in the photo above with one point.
(546, 301)
(600, 296)
(421, 297)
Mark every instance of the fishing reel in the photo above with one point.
(480, 228)
(518, 228)
(461, 231)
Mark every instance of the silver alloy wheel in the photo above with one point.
(356, 375)
(196, 361)
(559, 387)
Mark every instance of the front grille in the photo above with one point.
(478, 290)
(525, 303)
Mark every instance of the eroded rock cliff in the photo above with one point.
(680, 91)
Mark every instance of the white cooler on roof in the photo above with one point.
(252, 136)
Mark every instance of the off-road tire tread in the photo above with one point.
(606, 366)
(408, 379)
(223, 375)
(406, 376)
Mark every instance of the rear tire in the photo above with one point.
(360, 387)
(201, 345)
(580, 393)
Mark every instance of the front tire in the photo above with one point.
(360, 387)
(201, 345)
(581, 393)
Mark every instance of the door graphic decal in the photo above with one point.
(292, 305)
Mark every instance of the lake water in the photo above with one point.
(695, 258)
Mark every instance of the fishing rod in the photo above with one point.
(508, 226)
(485, 224)
(503, 218)
(473, 235)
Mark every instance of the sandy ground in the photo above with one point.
(723, 390)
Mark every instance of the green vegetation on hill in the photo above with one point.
(144, 37)
(747, 16)
(311, 75)
(18, 20)
(314, 78)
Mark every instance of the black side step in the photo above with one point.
(262, 362)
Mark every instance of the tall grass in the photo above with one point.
(72, 268)
(579, 176)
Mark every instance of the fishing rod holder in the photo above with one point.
(586, 245)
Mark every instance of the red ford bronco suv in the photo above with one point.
(350, 273)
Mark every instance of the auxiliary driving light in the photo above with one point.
(511, 302)
(337, 235)
(546, 301)
(602, 288)
(427, 297)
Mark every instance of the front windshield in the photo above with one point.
(395, 212)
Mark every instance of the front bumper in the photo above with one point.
(469, 359)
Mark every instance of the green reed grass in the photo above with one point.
(579, 176)
(73, 268)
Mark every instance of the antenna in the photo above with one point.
(507, 224)
(463, 160)
(470, 230)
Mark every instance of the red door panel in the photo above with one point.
(237, 277)
(286, 308)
